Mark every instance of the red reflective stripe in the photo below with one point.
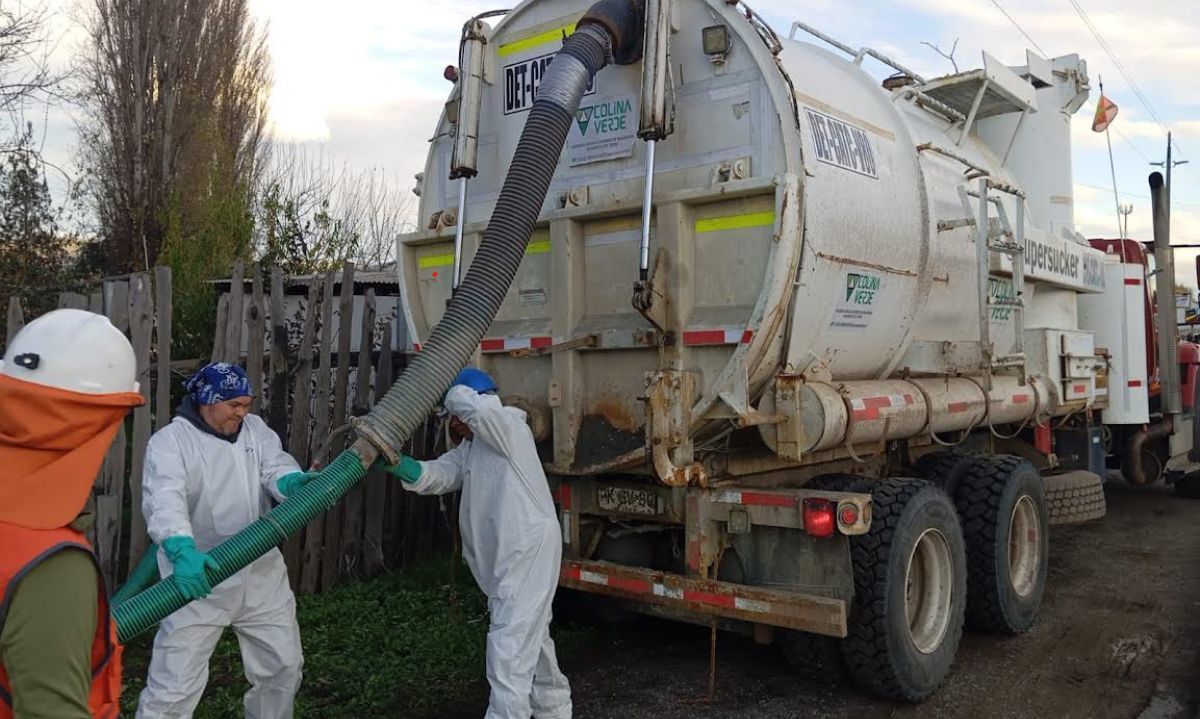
(564, 496)
(908, 399)
(492, 345)
(1135, 383)
(1020, 398)
(1132, 281)
(768, 500)
(630, 585)
(572, 573)
(1081, 388)
(538, 343)
(956, 407)
(704, 337)
(747, 336)
(717, 600)
(871, 407)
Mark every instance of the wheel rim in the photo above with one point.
(1024, 546)
(928, 591)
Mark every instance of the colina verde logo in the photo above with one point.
(603, 117)
(861, 288)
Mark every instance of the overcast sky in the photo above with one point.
(364, 78)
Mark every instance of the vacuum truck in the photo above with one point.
(809, 355)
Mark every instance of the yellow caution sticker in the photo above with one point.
(431, 261)
(536, 41)
(736, 222)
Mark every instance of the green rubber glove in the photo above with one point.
(142, 576)
(408, 471)
(289, 484)
(189, 564)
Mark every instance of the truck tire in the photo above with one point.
(1002, 504)
(1073, 498)
(816, 656)
(912, 561)
(943, 468)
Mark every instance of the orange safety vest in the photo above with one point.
(21, 550)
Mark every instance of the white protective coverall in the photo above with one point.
(209, 488)
(513, 545)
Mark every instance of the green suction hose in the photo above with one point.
(143, 611)
(144, 574)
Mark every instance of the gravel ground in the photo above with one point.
(1118, 636)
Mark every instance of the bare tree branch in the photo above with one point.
(949, 56)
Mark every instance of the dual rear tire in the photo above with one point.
(931, 562)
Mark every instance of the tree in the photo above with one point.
(313, 214)
(177, 92)
(25, 73)
(35, 258)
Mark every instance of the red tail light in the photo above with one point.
(820, 518)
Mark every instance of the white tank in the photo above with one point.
(807, 222)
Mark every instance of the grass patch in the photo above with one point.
(402, 644)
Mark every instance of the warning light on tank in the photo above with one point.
(450, 73)
(715, 39)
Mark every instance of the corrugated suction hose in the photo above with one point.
(610, 28)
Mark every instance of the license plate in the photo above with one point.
(628, 501)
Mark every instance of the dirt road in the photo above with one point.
(1118, 636)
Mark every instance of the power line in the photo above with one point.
(1018, 27)
(1137, 91)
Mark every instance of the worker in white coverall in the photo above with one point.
(511, 542)
(209, 474)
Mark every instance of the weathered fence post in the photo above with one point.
(298, 433)
(337, 518)
(254, 340)
(278, 412)
(16, 319)
(233, 328)
(218, 353)
(72, 301)
(110, 494)
(141, 323)
(314, 535)
(375, 490)
(162, 385)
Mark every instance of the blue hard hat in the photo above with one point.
(476, 379)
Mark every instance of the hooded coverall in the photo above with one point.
(200, 484)
(512, 543)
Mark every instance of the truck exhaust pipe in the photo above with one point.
(1164, 285)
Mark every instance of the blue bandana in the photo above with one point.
(218, 382)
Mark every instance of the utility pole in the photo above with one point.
(1167, 167)
(1125, 209)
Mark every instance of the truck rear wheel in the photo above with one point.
(943, 468)
(909, 592)
(1002, 503)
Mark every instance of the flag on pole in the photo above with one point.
(1106, 111)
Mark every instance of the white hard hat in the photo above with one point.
(72, 350)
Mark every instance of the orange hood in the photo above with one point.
(52, 442)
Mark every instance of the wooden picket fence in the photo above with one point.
(307, 390)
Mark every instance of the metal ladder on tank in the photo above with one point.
(1011, 242)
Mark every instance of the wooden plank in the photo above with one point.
(396, 498)
(374, 487)
(277, 396)
(298, 434)
(141, 323)
(16, 320)
(342, 554)
(254, 339)
(163, 317)
(233, 328)
(218, 353)
(315, 536)
(72, 301)
(96, 302)
(110, 489)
